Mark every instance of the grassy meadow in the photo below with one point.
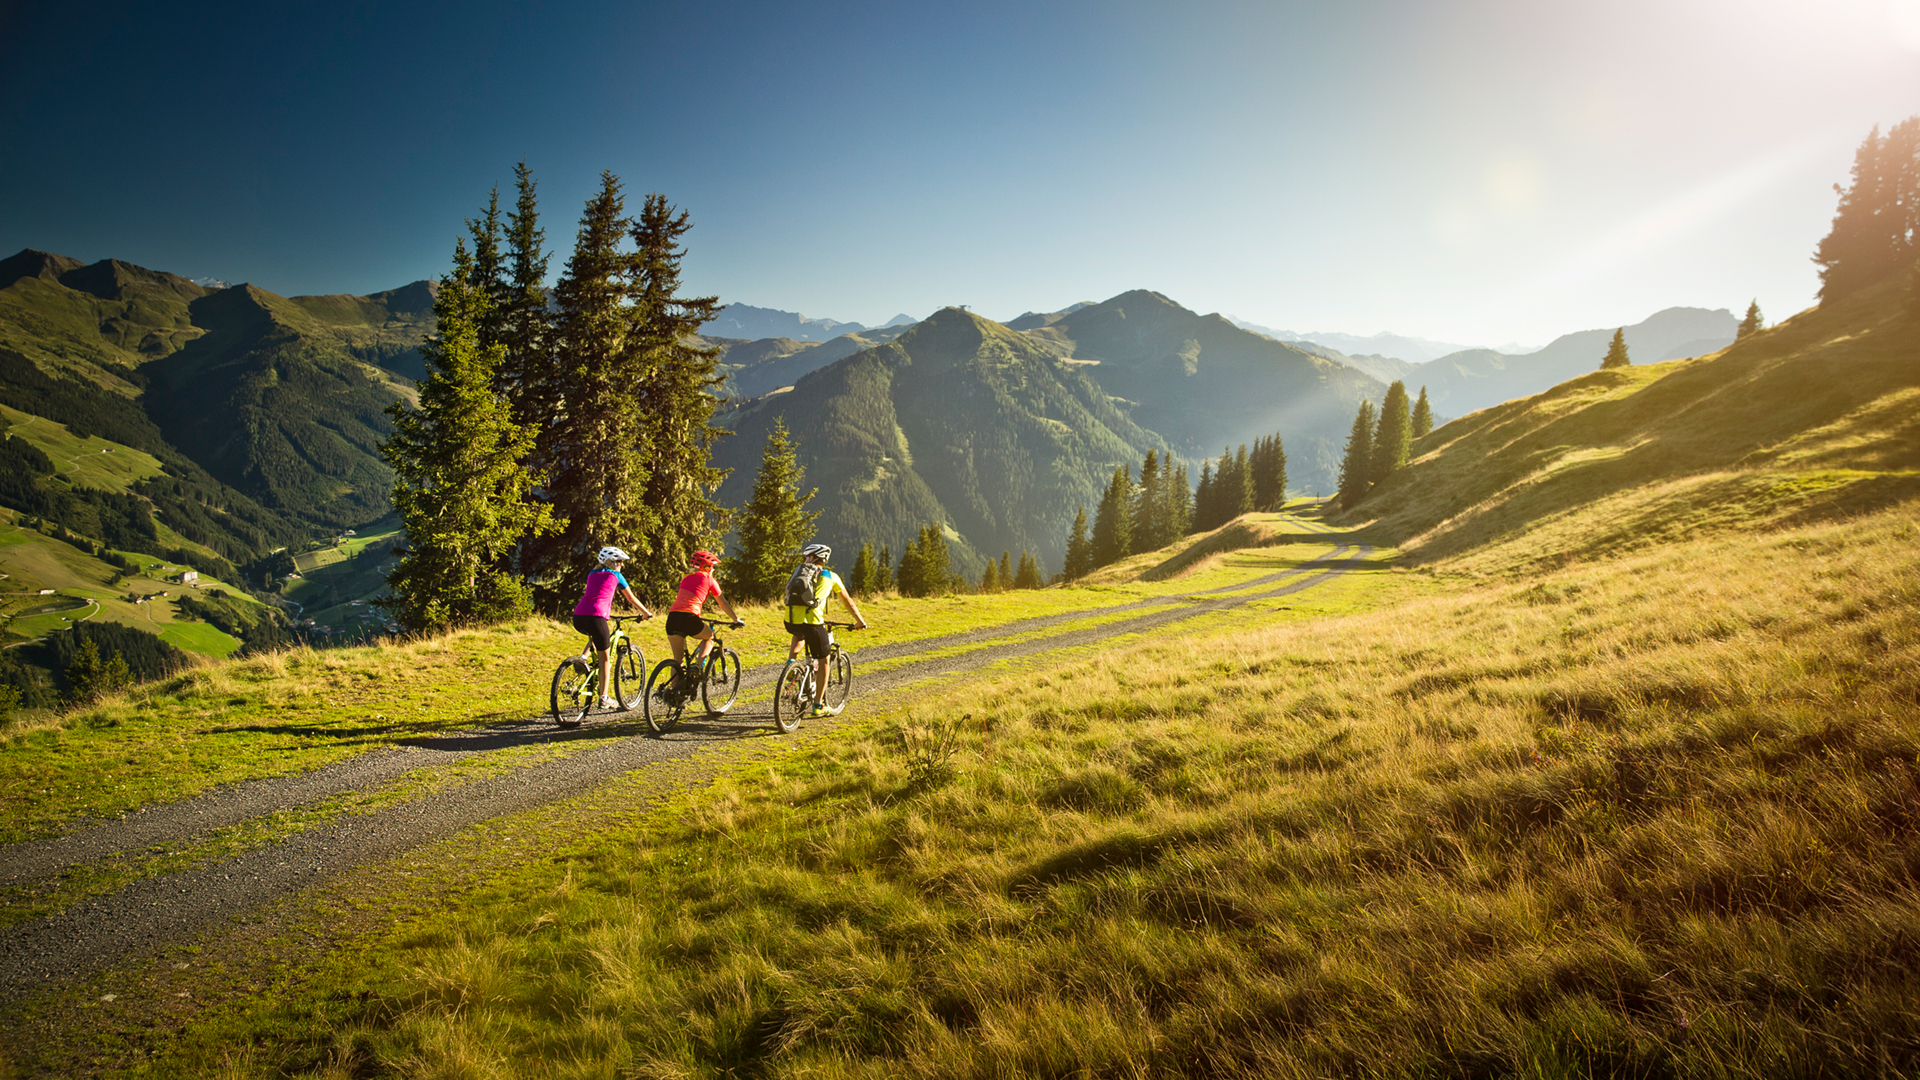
(1608, 763)
(1653, 816)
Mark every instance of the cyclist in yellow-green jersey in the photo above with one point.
(809, 590)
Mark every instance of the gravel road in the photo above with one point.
(151, 913)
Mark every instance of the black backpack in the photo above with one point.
(803, 588)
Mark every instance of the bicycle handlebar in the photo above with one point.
(841, 625)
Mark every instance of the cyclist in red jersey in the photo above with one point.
(683, 618)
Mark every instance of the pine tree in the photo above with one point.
(1006, 569)
(1112, 527)
(883, 570)
(488, 271)
(1422, 416)
(1028, 576)
(528, 375)
(1358, 458)
(1145, 512)
(1268, 462)
(1394, 436)
(1876, 228)
(675, 397)
(588, 442)
(990, 578)
(1237, 492)
(926, 567)
(1203, 517)
(774, 523)
(1079, 549)
(1176, 513)
(1753, 323)
(1616, 351)
(91, 676)
(459, 485)
(863, 576)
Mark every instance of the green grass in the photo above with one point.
(1646, 817)
(90, 462)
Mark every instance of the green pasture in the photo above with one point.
(91, 462)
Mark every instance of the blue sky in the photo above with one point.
(1483, 172)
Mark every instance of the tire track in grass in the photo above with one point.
(150, 913)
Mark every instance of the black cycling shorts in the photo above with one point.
(599, 628)
(815, 635)
(685, 624)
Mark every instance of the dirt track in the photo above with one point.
(150, 914)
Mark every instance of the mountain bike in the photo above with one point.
(576, 682)
(793, 693)
(716, 679)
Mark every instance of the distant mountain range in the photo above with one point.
(271, 409)
(749, 323)
(1412, 350)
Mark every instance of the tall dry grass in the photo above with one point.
(1652, 817)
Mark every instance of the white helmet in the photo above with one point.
(822, 551)
(611, 554)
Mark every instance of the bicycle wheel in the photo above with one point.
(839, 681)
(628, 686)
(663, 706)
(722, 682)
(792, 694)
(573, 691)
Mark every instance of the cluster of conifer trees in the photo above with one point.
(1876, 230)
(1379, 443)
(1162, 507)
(552, 423)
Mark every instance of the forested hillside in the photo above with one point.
(279, 399)
(961, 421)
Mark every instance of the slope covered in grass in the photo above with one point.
(1653, 817)
(1817, 417)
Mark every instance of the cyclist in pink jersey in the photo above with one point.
(591, 615)
(683, 618)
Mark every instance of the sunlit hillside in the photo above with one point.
(1816, 418)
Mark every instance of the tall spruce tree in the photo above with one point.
(774, 523)
(1028, 575)
(460, 487)
(1148, 535)
(1752, 324)
(676, 397)
(1112, 525)
(990, 578)
(863, 575)
(1422, 415)
(528, 375)
(1876, 228)
(1006, 569)
(1268, 461)
(1238, 491)
(1393, 438)
(883, 570)
(1616, 351)
(1203, 518)
(1357, 460)
(1176, 514)
(1079, 562)
(926, 567)
(489, 268)
(588, 445)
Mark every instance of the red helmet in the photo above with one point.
(705, 560)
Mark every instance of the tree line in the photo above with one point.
(1137, 517)
(1381, 440)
